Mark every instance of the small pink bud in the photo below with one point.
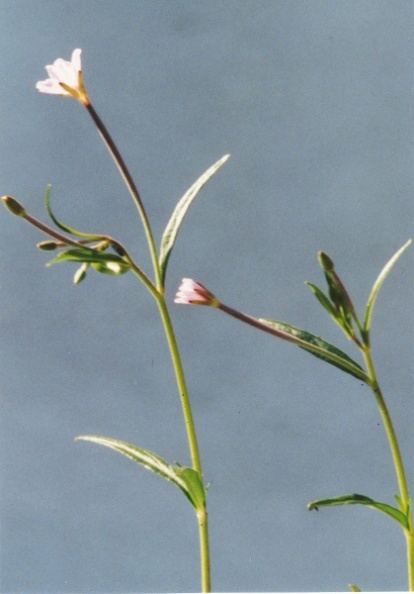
(192, 293)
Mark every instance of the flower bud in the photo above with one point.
(191, 292)
(325, 262)
(47, 246)
(13, 206)
(80, 273)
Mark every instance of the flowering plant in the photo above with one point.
(104, 254)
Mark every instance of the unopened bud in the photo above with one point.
(80, 273)
(13, 206)
(325, 262)
(118, 248)
(47, 246)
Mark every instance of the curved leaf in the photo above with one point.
(170, 233)
(320, 348)
(355, 499)
(378, 283)
(62, 226)
(186, 479)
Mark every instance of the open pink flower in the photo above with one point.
(192, 293)
(65, 78)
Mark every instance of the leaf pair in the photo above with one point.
(341, 310)
(186, 479)
(340, 306)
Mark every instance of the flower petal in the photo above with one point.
(191, 292)
(65, 78)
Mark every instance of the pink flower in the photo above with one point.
(65, 78)
(192, 293)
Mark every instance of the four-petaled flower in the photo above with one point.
(192, 293)
(65, 78)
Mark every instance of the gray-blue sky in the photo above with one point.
(313, 99)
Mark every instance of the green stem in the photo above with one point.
(182, 387)
(129, 182)
(397, 458)
(204, 550)
(192, 438)
(158, 293)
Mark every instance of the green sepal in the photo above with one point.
(61, 225)
(186, 479)
(171, 230)
(378, 284)
(320, 348)
(355, 499)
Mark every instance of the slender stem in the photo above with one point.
(204, 550)
(120, 163)
(158, 293)
(192, 439)
(398, 462)
(389, 428)
(181, 383)
(59, 236)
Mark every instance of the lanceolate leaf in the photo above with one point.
(327, 304)
(320, 348)
(354, 499)
(186, 479)
(378, 283)
(88, 255)
(177, 217)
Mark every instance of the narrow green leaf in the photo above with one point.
(62, 226)
(186, 479)
(354, 588)
(378, 283)
(86, 255)
(355, 499)
(327, 304)
(320, 348)
(170, 233)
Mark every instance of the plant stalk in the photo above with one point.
(158, 294)
(397, 459)
(192, 439)
(129, 182)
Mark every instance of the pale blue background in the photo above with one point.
(314, 99)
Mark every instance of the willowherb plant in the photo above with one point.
(104, 254)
